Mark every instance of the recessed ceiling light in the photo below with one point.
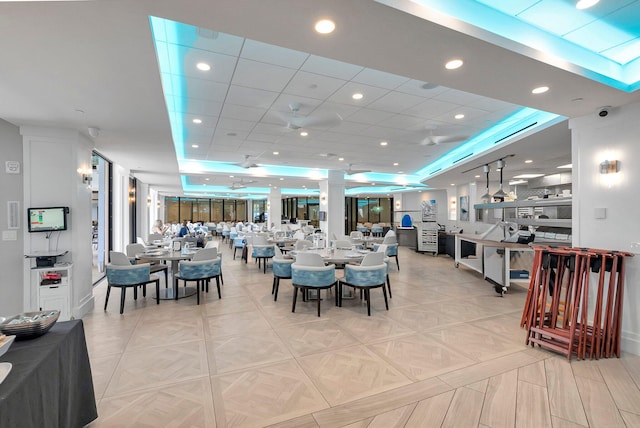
(340, 159)
(459, 116)
(198, 121)
(281, 178)
(357, 96)
(383, 143)
(400, 172)
(304, 133)
(540, 90)
(373, 184)
(567, 166)
(195, 146)
(453, 64)
(453, 184)
(276, 153)
(395, 164)
(203, 66)
(206, 179)
(586, 4)
(528, 175)
(528, 161)
(325, 26)
(231, 176)
(477, 176)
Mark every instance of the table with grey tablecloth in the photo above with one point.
(50, 384)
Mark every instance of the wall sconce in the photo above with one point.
(398, 205)
(609, 167)
(85, 175)
(132, 195)
(148, 201)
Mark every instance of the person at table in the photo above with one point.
(158, 227)
(184, 230)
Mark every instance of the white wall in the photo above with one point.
(594, 139)
(11, 188)
(52, 158)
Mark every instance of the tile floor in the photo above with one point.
(448, 353)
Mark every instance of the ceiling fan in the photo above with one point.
(295, 122)
(350, 171)
(247, 162)
(434, 140)
(241, 184)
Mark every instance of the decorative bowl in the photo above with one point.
(29, 325)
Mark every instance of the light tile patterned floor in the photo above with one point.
(448, 353)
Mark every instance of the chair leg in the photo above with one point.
(295, 297)
(123, 291)
(273, 286)
(221, 276)
(199, 283)
(384, 293)
(397, 262)
(276, 284)
(157, 281)
(166, 278)
(319, 302)
(218, 287)
(175, 288)
(389, 286)
(135, 292)
(368, 297)
(106, 300)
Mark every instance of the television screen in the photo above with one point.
(47, 219)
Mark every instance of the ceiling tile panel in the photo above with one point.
(270, 54)
(205, 89)
(403, 122)
(313, 85)
(250, 97)
(381, 79)
(416, 87)
(258, 75)
(236, 125)
(511, 7)
(370, 116)
(202, 38)
(625, 52)
(457, 97)
(265, 138)
(329, 67)
(198, 107)
(395, 102)
(431, 108)
(233, 111)
(305, 105)
(555, 17)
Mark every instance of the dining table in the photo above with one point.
(174, 257)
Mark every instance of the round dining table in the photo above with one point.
(175, 292)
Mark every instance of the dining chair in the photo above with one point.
(212, 244)
(262, 252)
(123, 276)
(342, 244)
(376, 229)
(391, 251)
(305, 277)
(302, 244)
(281, 270)
(382, 249)
(156, 266)
(120, 259)
(200, 271)
(238, 244)
(356, 234)
(233, 234)
(365, 277)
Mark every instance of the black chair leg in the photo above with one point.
(319, 302)
(218, 287)
(221, 277)
(397, 262)
(157, 281)
(389, 286)
(384, 293)
(123, 291)
(368, 297)
(276, 284)
(199, 283)
(166, 278)
(106, 300)
(295, 297)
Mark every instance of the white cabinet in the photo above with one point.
(428, 237)
(54, 285)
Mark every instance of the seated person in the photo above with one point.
(184, 230)
(158, 227)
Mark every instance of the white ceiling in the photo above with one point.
(81, 64)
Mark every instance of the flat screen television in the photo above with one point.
(49, 219)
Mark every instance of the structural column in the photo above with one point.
(332, 202)
(274, 208)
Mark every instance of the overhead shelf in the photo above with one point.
(526, 203)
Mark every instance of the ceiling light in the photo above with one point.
(515, 182)
(395, 164)
(340, 159)
(203, 66)
(453, 64)
(453, 184)
(195, 146)
(357, 96)
(400, 172)
(528, 175)
(459, 116)
(586, 4)
(198, 121)
(276, 153)
(500, 194)
(304, 133)
(567, 166)
(206, 179)
(325, 26)
(231, 176)
(477, 176)
(540, 90)
(528, 161)
(281, 178)
(383, 143)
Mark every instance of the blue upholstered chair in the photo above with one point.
(124, 276)
(262, 253)
(281, 270)
(156, 266)
(305, 277)
(200, 271)
(226, 231)
(233, 234)
(365, 277)
(238, 244)
(392, 251)
(376, 229)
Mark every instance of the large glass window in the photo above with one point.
(204, 210)
(259, 211)
(216, 210)
(241, 210)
